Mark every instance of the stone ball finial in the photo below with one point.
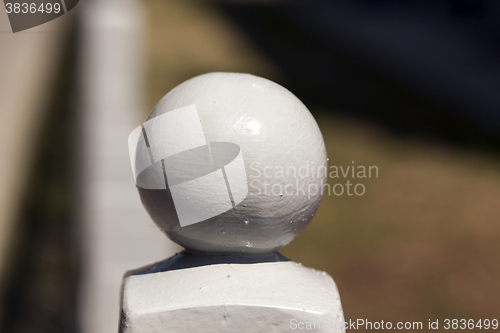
(229, 163)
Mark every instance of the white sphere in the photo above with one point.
(281, 176)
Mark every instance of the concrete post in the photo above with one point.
(232, 167)
(115, 237)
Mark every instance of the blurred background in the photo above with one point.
(412, 87)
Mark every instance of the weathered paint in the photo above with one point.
(258, 297)
(274, 130)
(231, 279)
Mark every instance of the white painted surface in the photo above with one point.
(201, 198)
(262, 297)
(237, 179)
(273, 129)
(138, 152)
(174, 132)
(250, 120)
(152, 178)
(202, 183)
(116, 231)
